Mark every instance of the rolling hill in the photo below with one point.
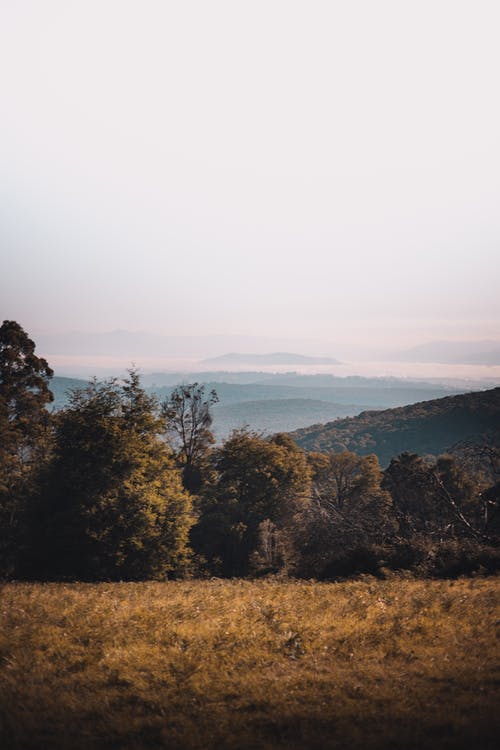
(61, 388)
(275, 415)
(371, 394)
(427, 427)
(283, 403)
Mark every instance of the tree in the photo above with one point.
(113, 506)
(437, 499)
(481, 462)
(254, 480)
(457, 495)
(348, 512)
(409, 480)
(188, 420)
(24, 432)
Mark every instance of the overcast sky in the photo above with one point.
(299, 169)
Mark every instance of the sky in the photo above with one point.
(323, 171)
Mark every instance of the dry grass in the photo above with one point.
(365, 664)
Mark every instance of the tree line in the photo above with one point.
(120, 486)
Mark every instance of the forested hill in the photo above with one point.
(428, 427)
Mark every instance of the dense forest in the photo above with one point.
(121, 485)
(428, 427)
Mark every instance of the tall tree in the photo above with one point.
(114, 506)
(188, 417)
(254, 480)
(24, 424)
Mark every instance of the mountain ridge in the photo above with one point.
(426, 427)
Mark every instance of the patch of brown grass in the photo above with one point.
(240, 664)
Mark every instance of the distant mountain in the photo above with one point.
(160, 379)
(453, 352)
(297, 380)
(369, 394)
(137, 344)
(271, 404)
(428, 427)
(61, 388)
(275, 358)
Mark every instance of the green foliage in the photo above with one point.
(408, 479)
(428, 557)
(113, 506)
(438, 498)
(24, 433)
(253, 479)
(349, 513)
(427, 428)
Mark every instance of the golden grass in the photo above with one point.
(239, 664)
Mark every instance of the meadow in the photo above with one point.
(391, 664)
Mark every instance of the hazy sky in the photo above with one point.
(299, 169)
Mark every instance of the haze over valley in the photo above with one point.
(274, 391)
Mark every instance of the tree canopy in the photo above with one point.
(24, 438)
(348, 510)
(254, 479)
(113, 506)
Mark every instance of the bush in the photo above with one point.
(454, 558)
(363, 559)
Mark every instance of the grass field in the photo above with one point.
(239, 664)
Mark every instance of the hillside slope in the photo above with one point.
(61, 388)
(276, 415)
(428, 427)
